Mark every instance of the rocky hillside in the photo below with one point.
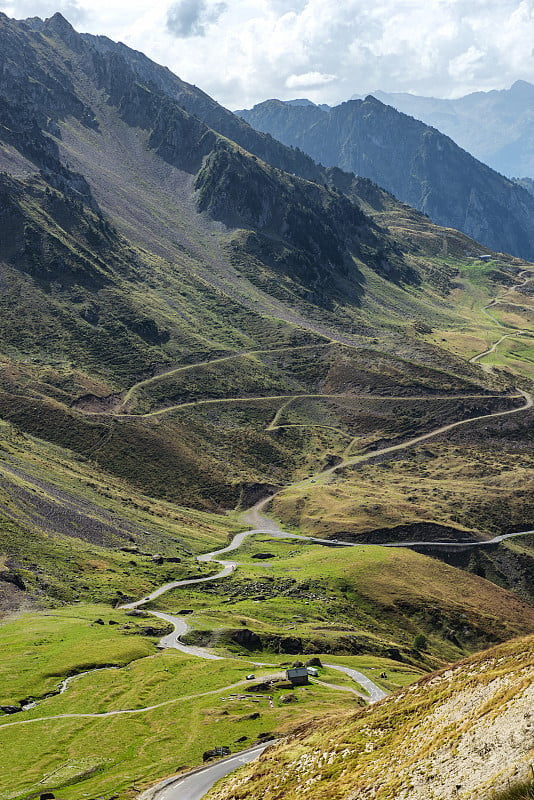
(137, 236)
(463, 732)
(166, 292)
(415, 162)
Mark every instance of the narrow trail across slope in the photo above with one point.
(527, 275)
(128, 711)
(209, 362)
(210, 401)
(395, 448)
(119, 409)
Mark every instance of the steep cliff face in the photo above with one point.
(311, 231)
(200, 105)
(418, 164)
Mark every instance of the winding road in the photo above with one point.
(194, 786)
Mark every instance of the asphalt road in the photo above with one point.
(375, 692)
(195, 785)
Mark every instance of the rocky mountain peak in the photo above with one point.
(57, 25)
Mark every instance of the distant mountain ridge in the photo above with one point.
(417, 163)
(496, 127)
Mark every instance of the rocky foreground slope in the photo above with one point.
(460, 733)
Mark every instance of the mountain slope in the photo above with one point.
(143, 240)
(168, 295)
(448, 735)
(419, 165)
(129, 276)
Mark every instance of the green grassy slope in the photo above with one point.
(311, 599)
(179, 710)
(69, 531)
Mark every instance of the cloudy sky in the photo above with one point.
(244, 51)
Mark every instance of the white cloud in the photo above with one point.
(244, 51)
(192, 17)
(309, 80)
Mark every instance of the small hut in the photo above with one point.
(298, 676)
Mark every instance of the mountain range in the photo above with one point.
(141, 236)
(410, 159)
(166, 292)
(495, 127)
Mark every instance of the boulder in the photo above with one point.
(217, 752)
(288, 698)
(12, 577)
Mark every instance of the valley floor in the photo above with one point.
(131, 707)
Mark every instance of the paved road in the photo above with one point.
(462, 545)
(195, 785)
(375, 692)
(172, 640)
(228, 568)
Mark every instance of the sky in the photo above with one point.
(242, 52)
